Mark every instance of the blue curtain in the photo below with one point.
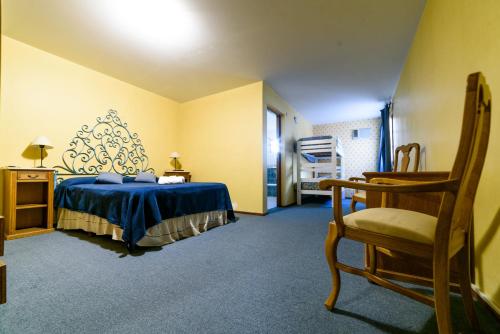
(384, 153)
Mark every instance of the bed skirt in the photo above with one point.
(168, 231)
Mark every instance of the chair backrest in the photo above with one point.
(405, 159)
(457, 208)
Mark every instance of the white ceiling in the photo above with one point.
(332, 60)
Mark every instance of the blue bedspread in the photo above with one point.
(135, 206)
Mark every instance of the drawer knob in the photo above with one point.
(33, 176)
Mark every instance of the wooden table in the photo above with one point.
(2, 234)
(400, 267)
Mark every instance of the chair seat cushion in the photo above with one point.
(405, 224)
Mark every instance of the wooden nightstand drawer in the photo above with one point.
(32, 175)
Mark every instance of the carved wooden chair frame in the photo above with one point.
(453, 220)
(405, 150)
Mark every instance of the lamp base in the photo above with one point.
(41, 156)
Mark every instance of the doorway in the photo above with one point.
(273, 168)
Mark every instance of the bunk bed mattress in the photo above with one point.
(315, 138)
(311, 185)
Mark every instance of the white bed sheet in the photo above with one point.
(168, 231)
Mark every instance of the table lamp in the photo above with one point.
(175, 155)
(42, 142)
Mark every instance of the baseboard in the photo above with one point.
(250, 213)
(483, 299)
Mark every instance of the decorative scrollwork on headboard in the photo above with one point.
(108, 146)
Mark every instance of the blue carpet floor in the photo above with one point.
(259, 275)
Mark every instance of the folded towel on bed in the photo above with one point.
(170, 179)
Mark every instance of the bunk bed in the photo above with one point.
(318, 158)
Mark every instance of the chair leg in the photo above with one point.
(465, 287)
(441, 292)
(331, 243)
(3, 283)
(353, 205)
(373, 259)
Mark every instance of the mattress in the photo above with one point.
(315, 138)
(310, 186)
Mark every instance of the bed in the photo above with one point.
(142, 214)
(318, 158)
(137, 213)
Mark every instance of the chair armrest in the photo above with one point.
(418, 176)
(414, 186)
(386, 180)
(357, 179)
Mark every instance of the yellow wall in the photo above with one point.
(291, 130)
(220, 137)
(455, 38)
(220, 140)
(43, 94)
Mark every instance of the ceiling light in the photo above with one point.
(164, 25)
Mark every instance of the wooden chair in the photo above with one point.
(423, 236)
(3, 267)
(405, 150)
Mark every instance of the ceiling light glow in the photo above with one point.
(164, 25)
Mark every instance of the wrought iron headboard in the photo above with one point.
(107, 146)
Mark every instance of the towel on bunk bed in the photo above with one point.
(309, 157)
(317, 157)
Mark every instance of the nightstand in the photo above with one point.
(184, 173)
(2, 229)
(3, 268)
(28, 201)
(3, 283)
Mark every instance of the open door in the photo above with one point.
(273, 167)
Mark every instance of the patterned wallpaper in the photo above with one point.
(360, 155)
